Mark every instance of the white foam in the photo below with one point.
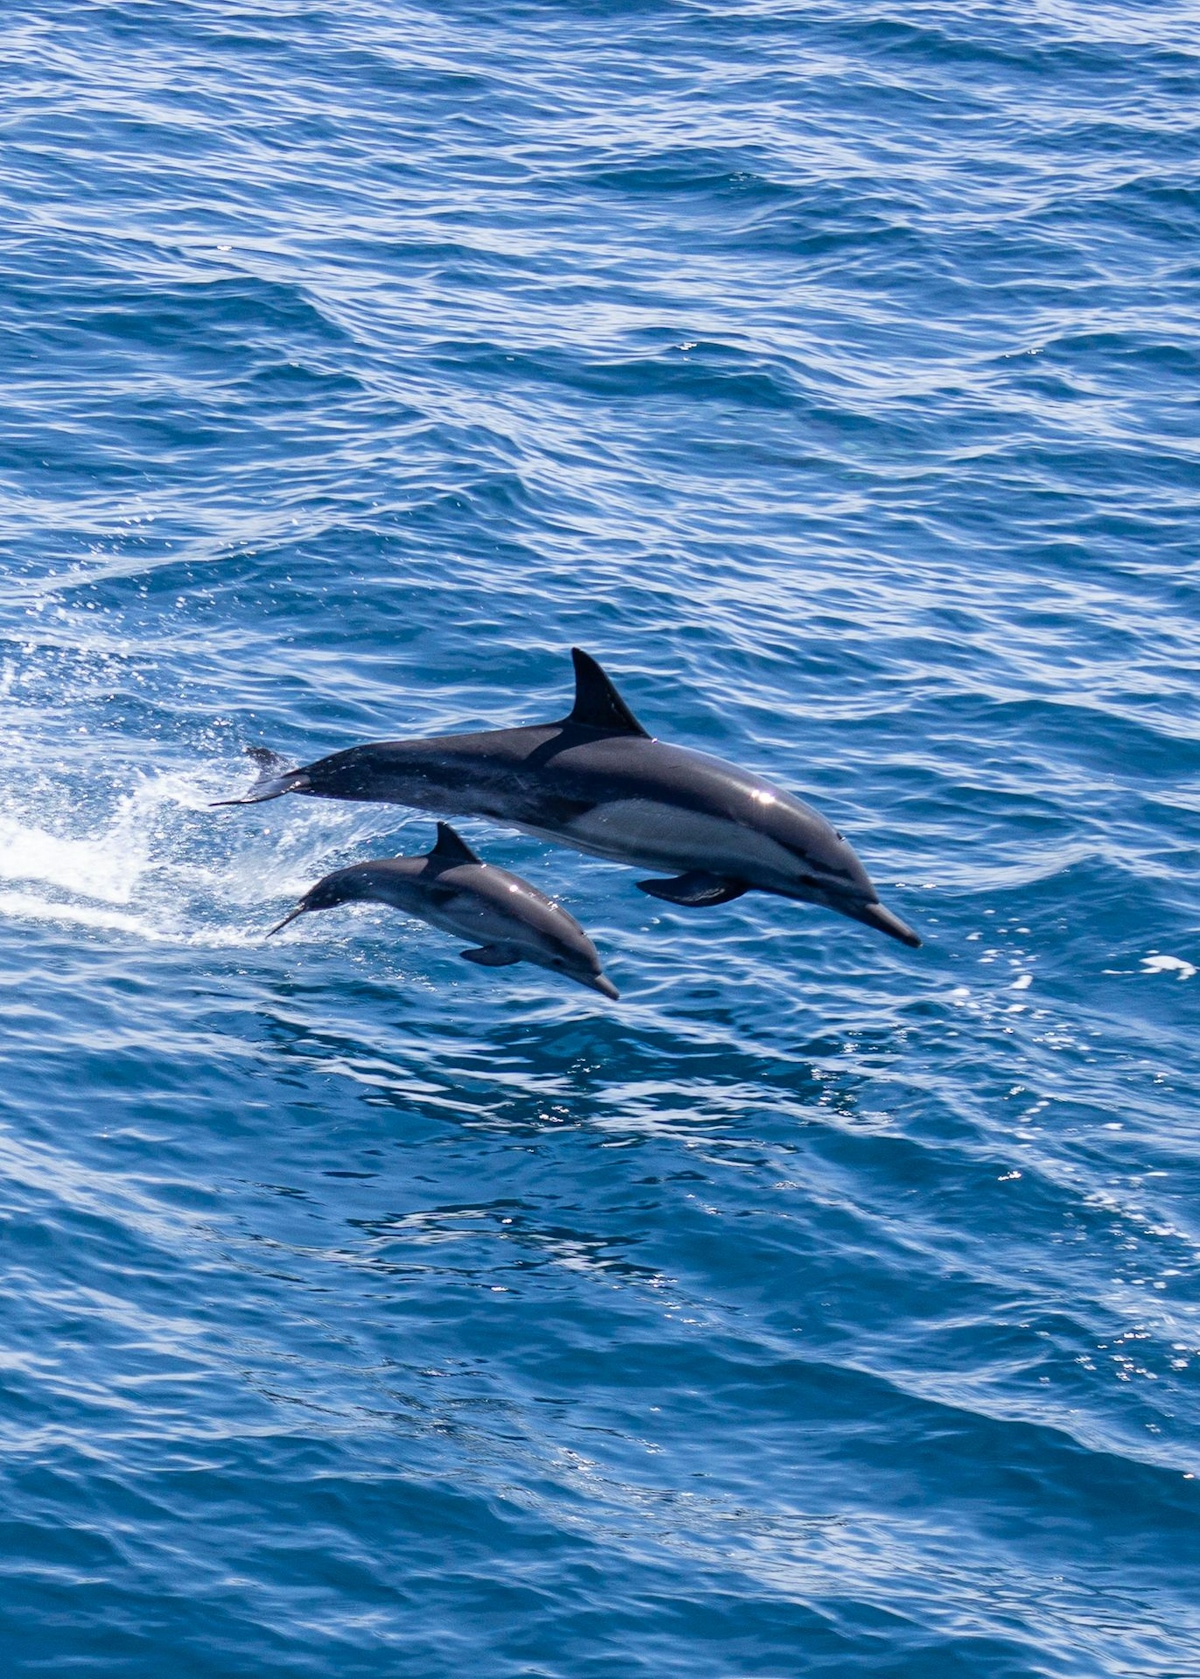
(1168, 964)
(26, 907)
(161, 866)
(106, 866)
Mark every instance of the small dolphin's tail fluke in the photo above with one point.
(273, 781)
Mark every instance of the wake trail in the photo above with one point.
(160, 866)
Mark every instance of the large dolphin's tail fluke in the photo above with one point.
(273, 781)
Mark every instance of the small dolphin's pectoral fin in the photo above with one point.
(451, 847)
(597, 703)
(274, 779)
(696, 889)
(491, 956)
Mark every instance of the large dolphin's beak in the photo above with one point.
(874, 915)
(602, 984)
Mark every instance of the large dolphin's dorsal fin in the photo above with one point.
(451, 847)
(597, 703)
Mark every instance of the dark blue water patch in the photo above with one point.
(200, 324)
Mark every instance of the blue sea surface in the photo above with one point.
(822, 1308)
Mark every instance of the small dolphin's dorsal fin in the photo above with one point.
(451, 847)
(597, 703)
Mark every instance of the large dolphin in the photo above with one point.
(451, 888)
(598, 783)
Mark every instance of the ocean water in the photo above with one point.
(823, 1307)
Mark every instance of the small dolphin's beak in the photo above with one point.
(874, 915)
(280, 925)
(604, 985)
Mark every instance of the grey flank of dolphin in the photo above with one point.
(452, 888)
(597, 782)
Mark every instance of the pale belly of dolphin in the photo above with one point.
(469, 917)
(656, 835)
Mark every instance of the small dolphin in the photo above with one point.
(452, 889)
(597, 782)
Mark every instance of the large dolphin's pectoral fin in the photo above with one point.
(696, 889)
(491, 956)
(274, 779)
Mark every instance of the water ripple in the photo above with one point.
(821, 1306)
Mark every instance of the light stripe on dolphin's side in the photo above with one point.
(597, 782)
(451, 888)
